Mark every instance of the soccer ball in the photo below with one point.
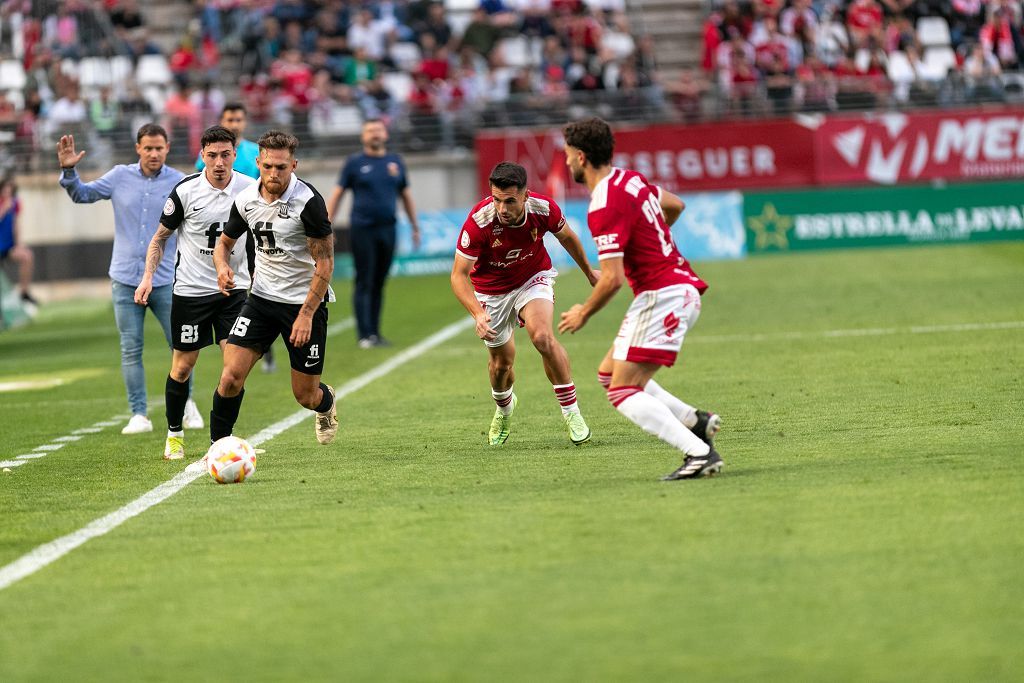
(230, 460)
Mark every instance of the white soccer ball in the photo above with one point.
(231, 460)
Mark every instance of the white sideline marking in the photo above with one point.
(107, 423)
(88, 430)
(36, 559)
(48, 447)
(31, 456)
(67, 439)
(11, 463)
(862, 332)
(341, 325)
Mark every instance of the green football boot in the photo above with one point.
(500, 424)
(579, 432)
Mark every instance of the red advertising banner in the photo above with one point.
(899, 148)
(680, 158)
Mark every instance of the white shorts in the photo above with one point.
(504, 308)
(655, 324)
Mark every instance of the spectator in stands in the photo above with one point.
(359, 68)
(981, 75)
(105, 114)
(996, 38)
(125, 17)
(183, 123)
(69, 112)
(370, 34)
(481, 35)
(966, 20)
(10, 244)
(687, 93)
(778, 85)
(814, 90)
(864, 20)
(436, 25)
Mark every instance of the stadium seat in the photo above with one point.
(155, 95)
(16, 97)
(461, 5)
(515, 51)
(933, 31)
(120, 69)
(12, 75)
(937, 62)
(153, 70)
(69, 68)
(406, 55)
(94, 72)
(398, 83)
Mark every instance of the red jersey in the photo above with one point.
(625, 219)
(507, 256)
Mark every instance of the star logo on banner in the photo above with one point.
(770, 229)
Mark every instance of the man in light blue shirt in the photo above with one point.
(233, 117)
(138, 193)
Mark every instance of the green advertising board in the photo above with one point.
(880, 216)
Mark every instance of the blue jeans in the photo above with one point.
(130, 317)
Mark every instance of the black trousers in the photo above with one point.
(373, 250)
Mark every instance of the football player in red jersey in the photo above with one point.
(503, 276)
(629, 219)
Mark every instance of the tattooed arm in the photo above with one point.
(154, 255)
(322, 251)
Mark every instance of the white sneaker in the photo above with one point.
(192, 418)
(139, 424)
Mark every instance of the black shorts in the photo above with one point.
(262, 321)
(197, 320)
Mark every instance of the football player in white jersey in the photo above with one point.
(197, 208)
(290, 286)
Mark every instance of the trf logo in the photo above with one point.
(606, 240)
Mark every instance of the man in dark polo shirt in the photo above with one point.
(377, 179)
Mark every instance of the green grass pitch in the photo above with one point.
(867, 526)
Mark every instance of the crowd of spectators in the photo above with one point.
(436, 74)
(320, 67)
(821, 55)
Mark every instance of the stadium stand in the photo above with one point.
(438, 70)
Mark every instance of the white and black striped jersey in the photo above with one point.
(284, 266)
(198, 212)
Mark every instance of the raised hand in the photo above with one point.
(66, 152)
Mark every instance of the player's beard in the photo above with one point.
(577, 174)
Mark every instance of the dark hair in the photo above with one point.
(151, 129)
(277, 139)
(507, 174)
(594, 138)
(374, 120)
(216, 134)
(234, 106)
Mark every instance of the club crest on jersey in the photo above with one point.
(168, 207)
(671, 322)
(464, 241)
(283, 211)
(392, 169)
